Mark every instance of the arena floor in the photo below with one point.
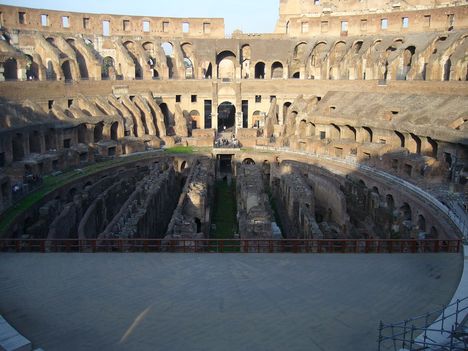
(218, 301)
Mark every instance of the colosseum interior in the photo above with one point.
(348, 122)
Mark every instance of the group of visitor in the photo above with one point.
(227, 143)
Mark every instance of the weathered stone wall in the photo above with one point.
(148, 210)
(92, 24)
(295, 202)
(253, 207)
(309, 18)
(192, 216)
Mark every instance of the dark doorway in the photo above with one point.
(207, 114)
(225, 164)
(226, 117)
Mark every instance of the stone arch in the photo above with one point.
(277, 70)
(286, 106)
(10, 69)
(296, 75)
(302, 128)
(149, 47)
(390, 202)
(50, 139)
(97, 133)
(226, 116)
(66, 69)
(131, 49)
(245, 60)
(417, 140)
(299, 51)
(32, 68)
(248, 161)
(168, 49)
(195, 119)
(207, 69)
(35, 142)
(335, 132)
(317, 51)
(114, 131)
(357, 45)
(260, 70)
(310, 130)
(351, 131)
(167, 118)
(81, 61)
(108, 68)
(421, 223)
(405, 212)
(368, 134)
(257, 117)
(434, 146)
(188, 66)
(401, 137)
(447, 69)
(17, 147)
(407, 61)
(225, 62)
(82, 132)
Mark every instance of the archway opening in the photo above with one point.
(277, 70)
(82, 131)
(32, 69)
(98, 132)
(226, 65)
(195, 119)
(50, 71)
(114, 131)
(260, 70)
(107, 68)
(169, 52)
(67, 70)
(35, 143)
(447, 68)
(226, 117)
(10, 69)
(167, 119)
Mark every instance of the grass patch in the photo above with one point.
(224, 216)
(51, 183)
(180, 150)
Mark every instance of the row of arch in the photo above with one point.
(343, 62)
(41, 141)
(413, 220)
(365, 134)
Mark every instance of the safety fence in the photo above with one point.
(444, 329)
(356, 246)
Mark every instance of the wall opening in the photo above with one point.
(260, 70)
(226, 117)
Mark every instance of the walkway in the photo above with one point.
(218, 302)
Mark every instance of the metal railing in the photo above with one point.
(446, 332)
(354, 246)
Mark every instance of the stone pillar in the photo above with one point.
(285, 72)
(214, 118)
(267, 70)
